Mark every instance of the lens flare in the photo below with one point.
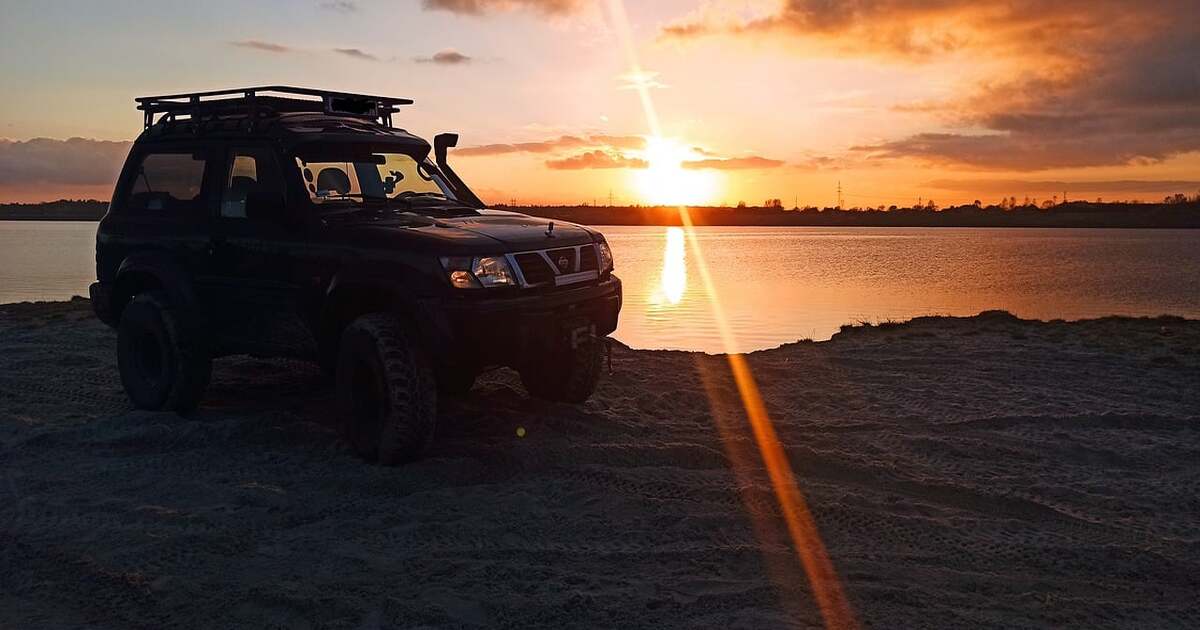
(801, 527)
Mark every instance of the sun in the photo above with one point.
(666, 182)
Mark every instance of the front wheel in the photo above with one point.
(565, 374)
(386, 388)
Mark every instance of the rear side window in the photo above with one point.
(167, 183)
(252, 172)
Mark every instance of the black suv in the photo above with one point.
(288, 222)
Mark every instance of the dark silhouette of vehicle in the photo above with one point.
(289, 222)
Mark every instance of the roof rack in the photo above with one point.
(252, 102)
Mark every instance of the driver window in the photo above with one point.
(252, 173)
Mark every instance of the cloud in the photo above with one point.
(603, 151)
(619, 142)
(595, 160)
(1024, 151)
(921, 28)
(340, 6)
(357, 53)
(72, 162)
(449, 57)
(733, 164)
(481, 7)
(1015, 186)
(594, 142)
(256, 44)
(1075, 83)
(826, 163)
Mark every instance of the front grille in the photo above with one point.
(563, 259)
(560, 266)
(587, 258)
(534, 268)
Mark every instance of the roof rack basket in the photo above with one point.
(253, 101)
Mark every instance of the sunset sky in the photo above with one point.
(897, 99)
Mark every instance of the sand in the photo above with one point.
(973, 472)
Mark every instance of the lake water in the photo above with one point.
(777, 285)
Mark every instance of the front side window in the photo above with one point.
(167, 183)
(253, 174)
(370, 176)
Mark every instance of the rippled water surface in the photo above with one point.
(775, 285)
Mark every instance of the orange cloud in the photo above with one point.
(595, 142)
(1087, 82)
(734, 164)
(595, 160)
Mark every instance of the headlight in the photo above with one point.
(606, 258)
(493, 271)
(475, 273)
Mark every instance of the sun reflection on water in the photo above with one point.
(673, 282)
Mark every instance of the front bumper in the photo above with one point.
(505, 331)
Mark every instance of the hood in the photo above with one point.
(519, 232)
(489, 232)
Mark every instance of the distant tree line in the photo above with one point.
(1171, 213)
(61, 210)
(1175, 211)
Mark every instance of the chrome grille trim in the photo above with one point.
(571, 276)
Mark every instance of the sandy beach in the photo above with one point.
(964, 472)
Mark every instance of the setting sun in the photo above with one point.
(666, 181)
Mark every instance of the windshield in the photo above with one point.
(380, 176)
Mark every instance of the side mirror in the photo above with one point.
(265, 206)
(441, 143)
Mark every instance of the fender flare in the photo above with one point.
(171, 276)
(386, 295)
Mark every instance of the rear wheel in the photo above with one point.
(161, 354)
(565, 374)
(386, 390)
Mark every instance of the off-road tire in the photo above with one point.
(565, 375)
(386, 390)
(454, 381)
(162, 355)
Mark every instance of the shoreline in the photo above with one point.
(35, 308)
(983, 471)
(1075, 214)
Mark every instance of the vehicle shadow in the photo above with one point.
(492, 418)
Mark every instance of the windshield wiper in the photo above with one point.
(394, 218)
(409, 194)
